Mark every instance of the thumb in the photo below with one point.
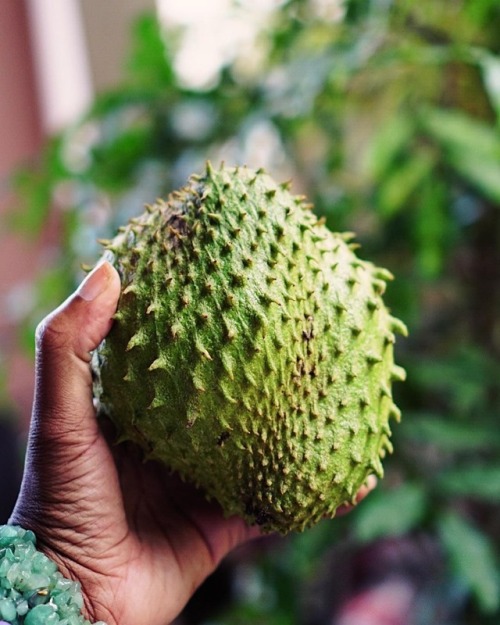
(64, 341)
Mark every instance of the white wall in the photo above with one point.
(107, 25)
(61, 61)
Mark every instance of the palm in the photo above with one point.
(135, 531)
(173, 539)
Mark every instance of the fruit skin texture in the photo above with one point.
(251, 350)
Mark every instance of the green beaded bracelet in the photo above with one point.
(32, 590)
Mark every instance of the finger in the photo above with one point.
(365, 490)
(64, 341)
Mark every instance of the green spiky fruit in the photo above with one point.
(251, 350)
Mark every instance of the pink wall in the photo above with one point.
(20, 139)
(19, 121)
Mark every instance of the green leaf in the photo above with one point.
(390, 513)
(398, 186)
(475, 481)
(464, 377)
(482, 173)
(448, 435)
(472, 148)
(432, 227)
(482, 12)
(35, 197)
(458, 132)
(490, 69)
(34, 188)
(149, 66)
(387, 145)
(471, 556)
(114, 163)
(123, 98)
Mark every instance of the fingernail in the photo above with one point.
(95, 283)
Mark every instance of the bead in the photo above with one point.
(40, 615)
(8, 609)
(32, 590)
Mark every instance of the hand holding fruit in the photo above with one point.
(272, 392)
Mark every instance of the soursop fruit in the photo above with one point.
(251, 350)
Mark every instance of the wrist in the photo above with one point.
(32, 589)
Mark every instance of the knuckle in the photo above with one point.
(50, 335)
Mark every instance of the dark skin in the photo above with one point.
(137, 539)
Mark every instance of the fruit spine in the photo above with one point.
(251, 350)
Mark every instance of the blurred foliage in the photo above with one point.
(386, 114)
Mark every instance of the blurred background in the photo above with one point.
(385, 113)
